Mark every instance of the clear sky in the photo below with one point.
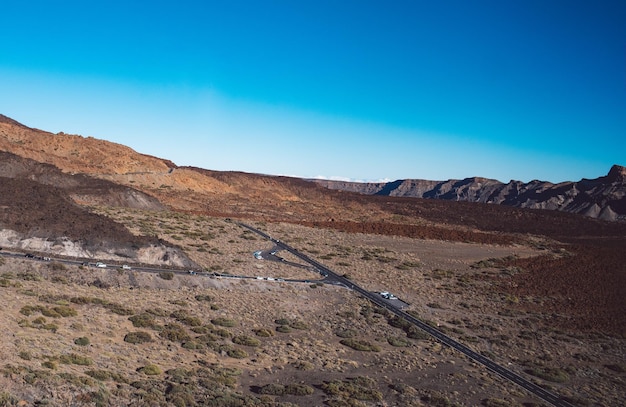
(350, 89)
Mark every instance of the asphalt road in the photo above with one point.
(334, 278)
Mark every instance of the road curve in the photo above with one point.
(333, 277)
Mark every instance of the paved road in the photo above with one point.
(335, 278)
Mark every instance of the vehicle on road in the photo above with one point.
(125, 267)
(101, 265)
(388, 296)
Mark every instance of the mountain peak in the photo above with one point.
(617, 174)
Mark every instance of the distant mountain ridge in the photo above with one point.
(603, 198)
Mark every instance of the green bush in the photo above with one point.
(143, 320)
(264, 333)
(166, 275)
(299, 325)
(246, 340)
(285, 329)
(346, 333)
(75, 359)
(82, 341)
(555, 375)
(226, 322)
(175, 333)
(398, 341)
(137, 337)
(150, 370)
(203, 297)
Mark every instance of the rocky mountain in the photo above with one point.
(603, 198)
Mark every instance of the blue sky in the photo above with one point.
(360, 90)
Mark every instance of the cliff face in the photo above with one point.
(603, 197)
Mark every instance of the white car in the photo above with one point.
(125, 267)
(101, 265)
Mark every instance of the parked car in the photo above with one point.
(125, 267)
(101, 265)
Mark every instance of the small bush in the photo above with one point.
(75, 359)
(555, 375)
(282, 321)
(137, 337)
(398, 341)
(143, 320)
(174, 333)
(25, 355)
(150, 370)
(264, 333)
(203, 297)
(299, 325)
(226, 322)
(166, 275)
(49, 364)
(82, 341)
(284, 329)
(346, 333)
(246, 340)
(237, 353)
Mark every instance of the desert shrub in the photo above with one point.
(29, 310)
(203, 297)
(183, 317)
(273, 389)
(29, 277)
(137, 337)
(49, 364)
(157, 312)
(358, 388)
(299, 325)
(224, 333)
(360, 345)
(101, 375)
(414, 332)
(175, 333)
(75, 359)
(166, 275)
(304, 365)
(150, 370)
(7, 399)
(246, 340)
(264, 333)
(57, 266)
(285, 329)
(495, 403)
(555, 375)
(59, 311)
(297, 389)
(282, 321)
(398, 341)
(24, 355)
(237, 353)
(82, 341)
(226, 322)
(398, 322)
(143, 320)
(346, 333)
(118, 309)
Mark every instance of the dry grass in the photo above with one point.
(215, 324)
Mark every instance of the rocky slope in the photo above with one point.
(603, 197)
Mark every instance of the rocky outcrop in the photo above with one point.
(602, 198)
